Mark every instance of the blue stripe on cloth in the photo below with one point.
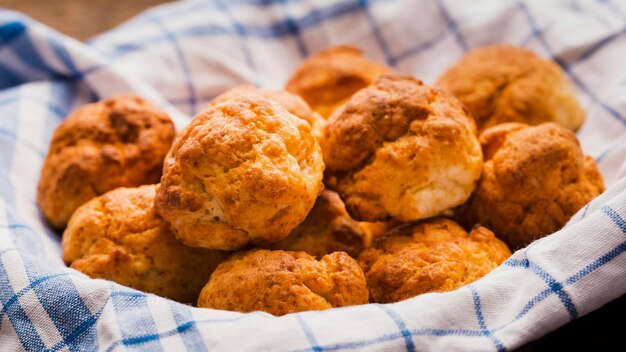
(193, 339)
(64, 304)
(242, 33)
(10, 32)
(573, 77)
(188, 78)
(593, 49)
(182, 328)
(294, 28)
(308, 332)
(78, 335)
(590, 268)
(8, 124)
(274, 30)
(9, 78)
(396, 336)
(585, 210)
(408, 339)
(610, 255)
(22, 324)
(425, 45)
(135, 319)
(128, 294)
(553, 285)
(141, 340)
(24, 49)
(481, 319)
(25, 238)
(13, 136)
(380, 39)
(614, 146)
(57, 44)
(617, 219)
(454, 26)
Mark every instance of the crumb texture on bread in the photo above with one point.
(117, 142)
(246, 171)
(503, 83)
(534, 179)
(280, 282)
(435, 255)
(400, 149)
(119, 236)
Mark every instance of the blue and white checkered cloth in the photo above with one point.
(181, 55)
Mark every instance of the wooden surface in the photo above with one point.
(81, 19)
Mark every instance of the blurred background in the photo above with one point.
(81, 19)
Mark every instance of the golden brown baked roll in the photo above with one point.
(534, 179)
(503, 83)
(327, 79)
(117, 142)
(245, 171)
(435, 255)
(119, 236)
(280, 282)
(400, 149)
(291, 102)
(328, 228)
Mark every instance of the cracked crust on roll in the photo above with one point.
(534, 179)
(503, 83)
(244, 172)
(435, 255)
(119, 236)
(291, 102)
(280, 282)
(400, 149)
(328, 79)
(328, 228)
(117, 142)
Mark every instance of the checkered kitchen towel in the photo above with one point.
(181, 55)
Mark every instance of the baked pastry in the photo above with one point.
(280, 282)
(291, 102)
(328, 228)
(380, 228)
(534, 179)
(244, 172)
(119, 236)
(328, 79)
(400, 149)
(435, 255)
(117, 142)
(503, 83)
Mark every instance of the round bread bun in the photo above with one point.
(328, 228)
(327, 79)
(503, 83)
(117, 142)
(400, 149)
(280, 282)
(119, 237)
(244, 172)
(291, 102)
(435, 255)
(534, 179)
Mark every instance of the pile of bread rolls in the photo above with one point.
(355, 184)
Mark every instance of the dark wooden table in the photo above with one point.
(83, 19)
